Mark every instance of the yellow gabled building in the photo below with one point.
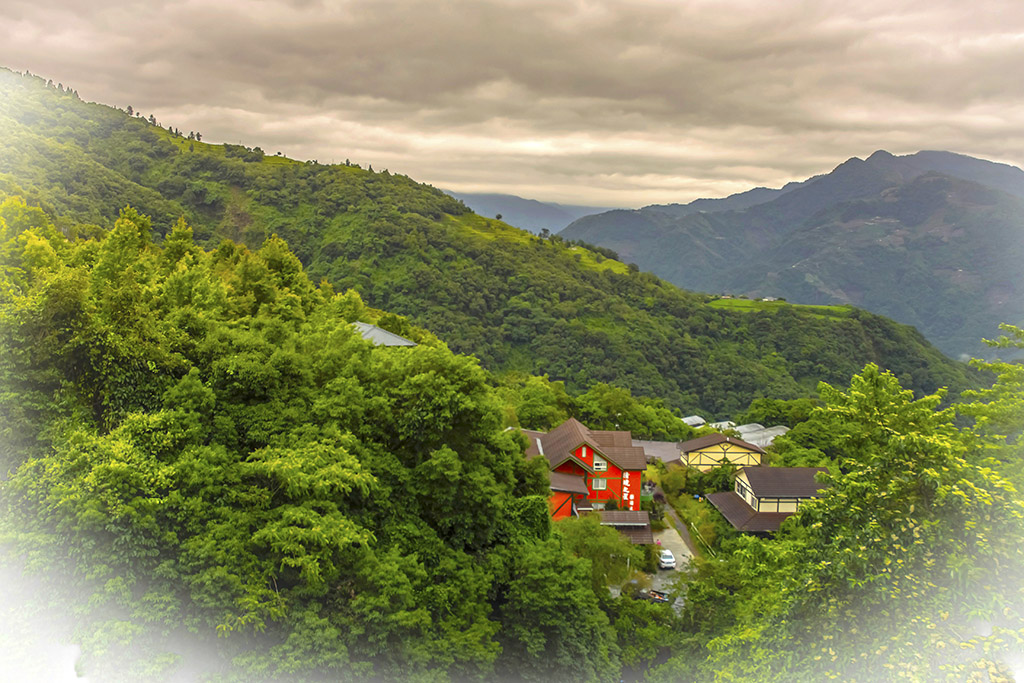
(715, 450)
(764, 497)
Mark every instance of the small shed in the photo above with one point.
(634, 525)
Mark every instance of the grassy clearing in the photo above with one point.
(747, 305)
(495, 230)
(488, 228)
(588, 259)
(216, 149)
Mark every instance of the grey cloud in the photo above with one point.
(585, 100)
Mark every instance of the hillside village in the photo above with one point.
(316, 422)
(613, 475)
(616, 477)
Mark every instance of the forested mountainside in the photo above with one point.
(519, 303)
(933, 239)
(216, 478)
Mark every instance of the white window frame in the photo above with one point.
(599, 484)
(600, 464)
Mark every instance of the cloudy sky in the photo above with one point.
(617, 103)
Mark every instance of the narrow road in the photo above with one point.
(670, 538)
(681, 527)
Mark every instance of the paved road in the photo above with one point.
(670, 538)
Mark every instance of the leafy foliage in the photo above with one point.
(212, 448)
(909, 566)
(194, 434)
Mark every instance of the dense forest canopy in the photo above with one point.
(518, 302)
(204, 441)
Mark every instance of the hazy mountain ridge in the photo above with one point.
(932, 239)
(528, 214)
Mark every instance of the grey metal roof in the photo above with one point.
(765, 437)
(749, 427)
(662, 450)
(636, 526)
(381, 337)
(694, 420)
(625, 518)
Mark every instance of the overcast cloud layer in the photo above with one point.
(619, 103)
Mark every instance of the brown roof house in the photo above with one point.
(764, 496)
(589, 470)
(715, 450)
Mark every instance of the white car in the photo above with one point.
(666, 560)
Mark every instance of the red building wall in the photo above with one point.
(620, 485)
(560, 504)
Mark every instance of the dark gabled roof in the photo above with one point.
(558, 445)
(570, 483)
(381, 337)
(533, 443)
(713, 439)
(625, 518)
(613, 439)
(742, 516)
(637, 535)
(784, 482)
(627, 458)
(636, 526)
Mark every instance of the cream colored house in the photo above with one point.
(715, 450)
(764, 496)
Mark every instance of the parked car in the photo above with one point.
(654, 596)
(666, 560)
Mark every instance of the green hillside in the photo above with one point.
(517, 302)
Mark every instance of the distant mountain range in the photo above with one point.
(932, 239)
(528, 214)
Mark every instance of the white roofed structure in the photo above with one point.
(380, 336)
(765, 436)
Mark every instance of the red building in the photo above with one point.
(589, 468)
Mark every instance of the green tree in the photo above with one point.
(909, 565)
(611, 555)
(998, 411)
(551, 622)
